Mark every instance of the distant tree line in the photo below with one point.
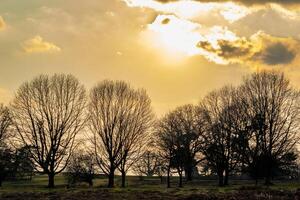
(53, 126)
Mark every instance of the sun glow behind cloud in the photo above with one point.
(174, 35)
(191, 9)
(181, 38)
(178, 33)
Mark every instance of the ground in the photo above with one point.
(148, 188)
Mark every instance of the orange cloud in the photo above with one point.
(38, 45)
(2, 24)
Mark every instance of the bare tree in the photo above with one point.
(48, 113)
(130, 155)
(148, 164)
(5, 123)
(180, 139)
(81, 168)
(272, 108)
(166, 143)
(120, 118)
(190, 124)
(6, 155)
(222, 130)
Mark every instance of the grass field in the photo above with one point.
(148, 188)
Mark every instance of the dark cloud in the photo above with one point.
(228, 49)
(238, 49)
(276, 54)
(264, 49)
(247, 2)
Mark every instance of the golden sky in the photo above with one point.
(178, 50)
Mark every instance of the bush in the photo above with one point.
(81, 169)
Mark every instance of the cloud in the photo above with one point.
(261, 49)
(246, 2)
(2, 24)
(38, 45)
(276, 54)
(194, 9)
(218, 44)
(273, 20)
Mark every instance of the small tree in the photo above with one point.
(6, 163)
(5, 124)
(23, 164)
(6, 154)
(148, 164)
(81, 168)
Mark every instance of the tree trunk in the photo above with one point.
(226, 177)
(90, 183)
(161, 179)
(221, 179)
(51, 180)
(189, 173)
(1, 182)
(180, 179)
(123, 178)
(268, 173)
(168, 178)
(111, 179)
(268, 180)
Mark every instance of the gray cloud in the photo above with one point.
(246, 2)
(261, 48)
(276, 54)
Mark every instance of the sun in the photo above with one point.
(177, 39)
(173, 35)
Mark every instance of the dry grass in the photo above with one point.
(148, 189)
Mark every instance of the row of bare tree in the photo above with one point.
(49, 112)
(252, 128)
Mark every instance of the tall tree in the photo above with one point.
(272, 106)
(190, 125)
(222, 132)
(120, 118)
(165, 142)
(48, 113)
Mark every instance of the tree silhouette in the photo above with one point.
(272, 108)
(120, 118)
(48, 113)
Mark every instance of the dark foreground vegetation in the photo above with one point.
(149, 188)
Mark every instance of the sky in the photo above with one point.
(178, 50)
